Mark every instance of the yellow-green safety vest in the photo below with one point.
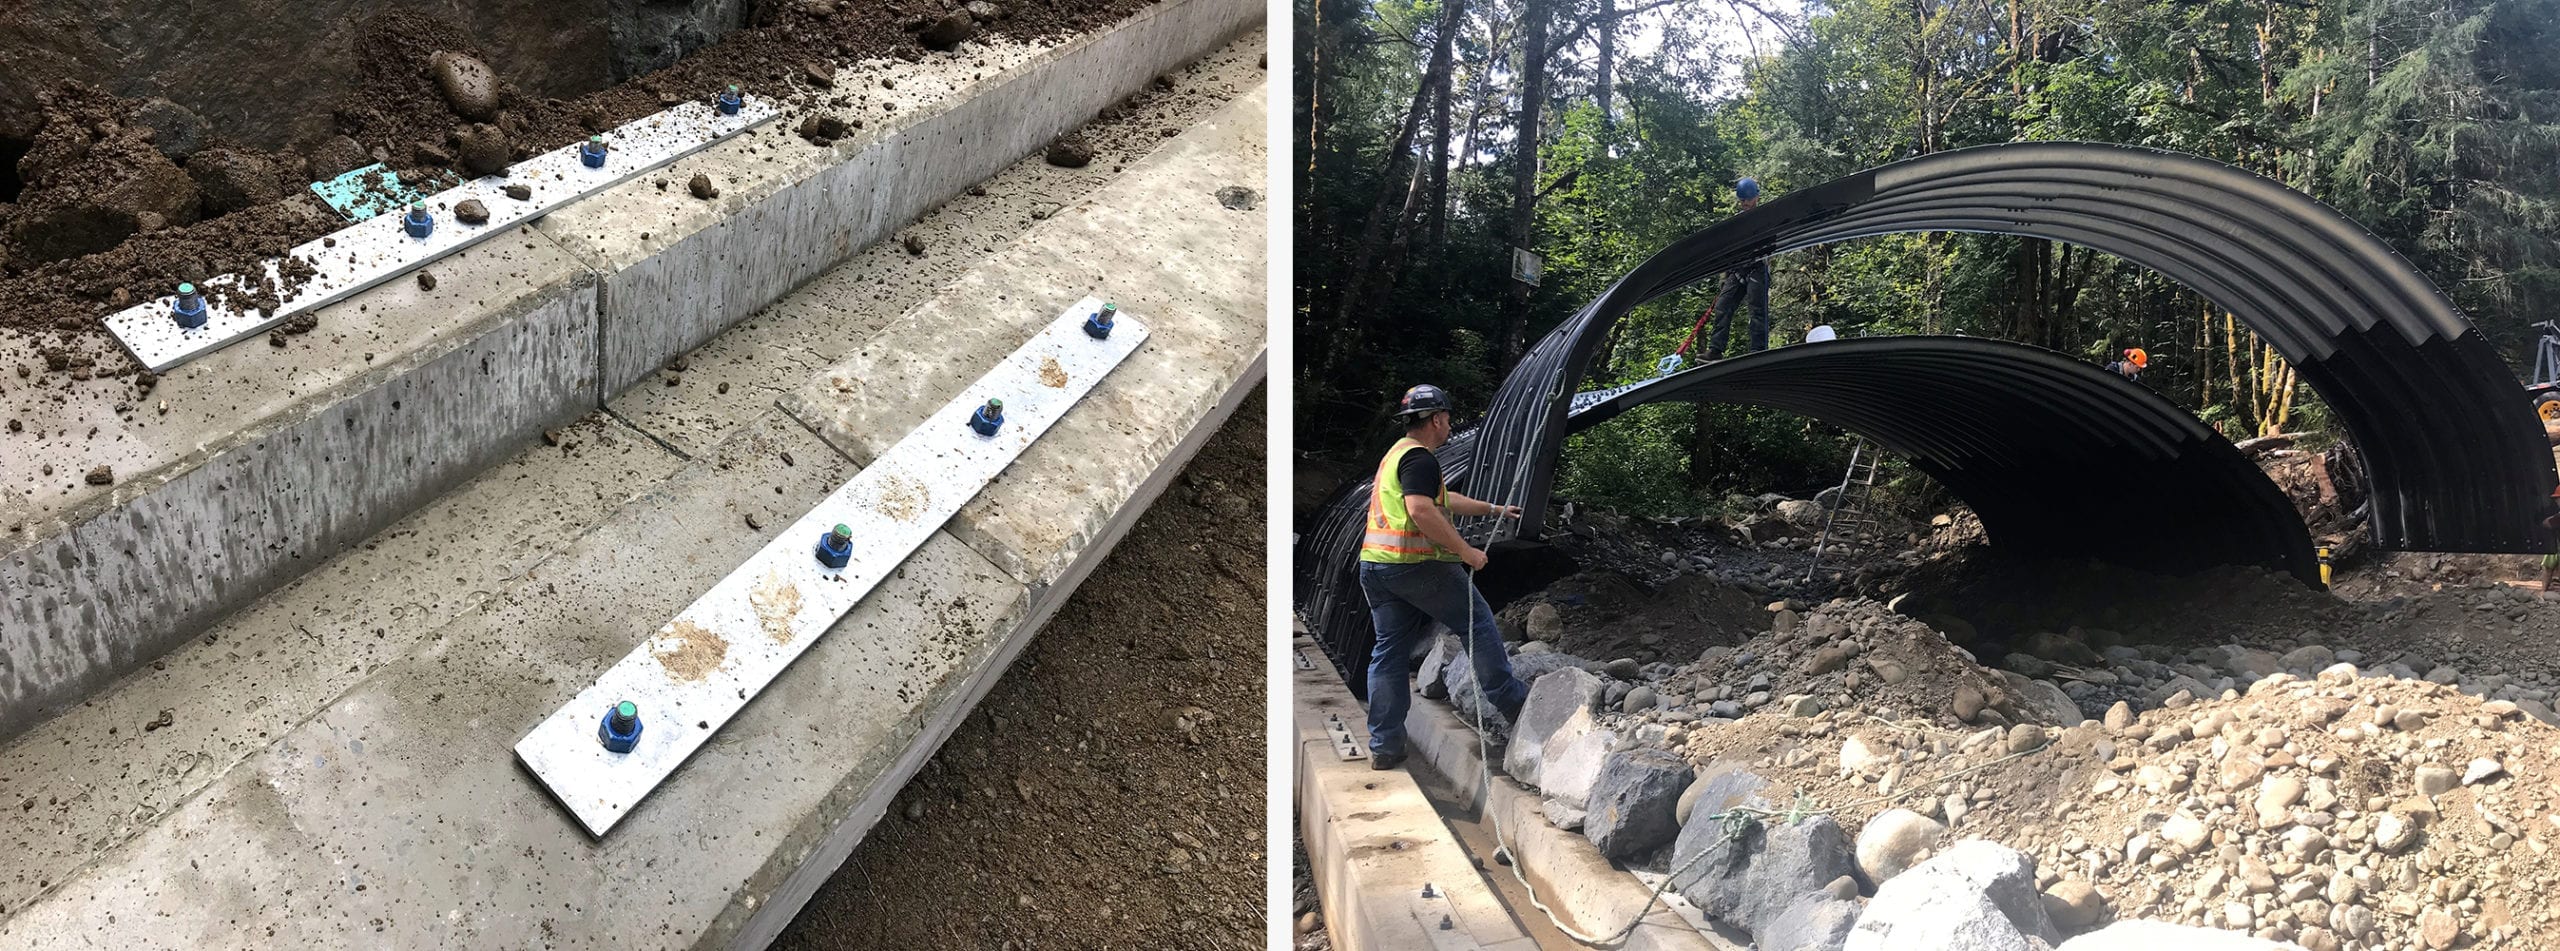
(1391, 538)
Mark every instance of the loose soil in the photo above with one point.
(1108, 793)
(400, 118)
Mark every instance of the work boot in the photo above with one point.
(1386, 761)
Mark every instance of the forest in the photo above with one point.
(1434, 136)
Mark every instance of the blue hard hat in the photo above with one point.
(1746, 189)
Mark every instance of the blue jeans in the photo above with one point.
(1403, 601)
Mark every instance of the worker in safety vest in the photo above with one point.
(2551, 523)
(1414, 569)
(2131, 367)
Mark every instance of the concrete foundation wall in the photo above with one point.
(795, 218)
(166, 554)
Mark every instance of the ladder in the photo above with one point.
(1847, 515)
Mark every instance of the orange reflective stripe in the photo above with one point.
(1392, 537)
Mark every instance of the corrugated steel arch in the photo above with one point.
(2455, 457)
(2058, 457)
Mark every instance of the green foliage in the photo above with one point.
(2435, 124)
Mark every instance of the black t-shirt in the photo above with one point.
(1419, 471)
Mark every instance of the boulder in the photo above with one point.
(1816, 922)
(1893, 842)
(2153, 935)
(1633, 803)
(175, 130)
(1974, 895)
(1433, 677)
(1572, 766)
(1545, 622)
(1560, 710)
(1750, 878)
(2060, 649)
(1468, 698)
(1801, 513)
(2074, 904)
(2043, 702)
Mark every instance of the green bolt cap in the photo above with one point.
(995, 404)
(626, 709)
(186, 289)
(843, 531)
(595, 140)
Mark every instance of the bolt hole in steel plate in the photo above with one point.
(375, 250)
(707, 663)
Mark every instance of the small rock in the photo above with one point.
(471, 212)
(102, 475)
(2481, 770)
(701, 187)
(2433, 780)
(520, 192)
(1638, 700)
(2119, 716)
(2393, 832)
(1070, 152)
(426, 281)
(2024, 737)
(2074, 904)
(482, 149)
(948, 32)
(914, 243)
(2439, 928)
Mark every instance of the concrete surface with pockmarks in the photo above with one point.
(332, 760)
(1165, 248)
(222, 501)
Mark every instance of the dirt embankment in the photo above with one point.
(123, 200)
(1108, 793)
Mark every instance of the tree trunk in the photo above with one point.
(1608, 59)
(1388, 226)
(1445, 59)
(1524, 171)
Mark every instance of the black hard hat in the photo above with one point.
(1425, 398)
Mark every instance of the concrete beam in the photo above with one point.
(268, 462)
(1374, 841)
(1161, 243)
(677, 270)
(398, 814)
(1585, 889)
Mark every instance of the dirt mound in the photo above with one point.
(106, 213)
(1608, 614)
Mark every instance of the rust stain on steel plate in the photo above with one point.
(903, 498)
(776, 602)
(688, 651)
(1052, 375)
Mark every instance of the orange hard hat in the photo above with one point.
(2139, 358)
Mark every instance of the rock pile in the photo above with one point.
(2263, 793)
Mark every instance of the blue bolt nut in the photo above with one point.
(835, 548)
(620, 730)
(417, 222)
(1098, 326)
(189, 310)
(592, 153)
(730, 101)
(988, 418)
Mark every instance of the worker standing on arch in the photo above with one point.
(2135, 361)
(1746, 284)
(1414, 569)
